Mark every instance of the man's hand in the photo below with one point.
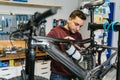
(75, 45)
(69, 38)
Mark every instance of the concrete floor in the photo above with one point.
(111, 75)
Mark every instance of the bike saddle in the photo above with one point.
(94, 3)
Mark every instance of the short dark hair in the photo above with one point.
(78, 13)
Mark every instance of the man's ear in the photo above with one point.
(69, 19)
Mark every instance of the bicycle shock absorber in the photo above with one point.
(91, 60)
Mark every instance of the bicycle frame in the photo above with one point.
(48, 45)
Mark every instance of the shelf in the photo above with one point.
(21, 55)
(27, 4)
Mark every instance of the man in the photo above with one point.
(68, 31)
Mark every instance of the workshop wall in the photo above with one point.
(62, 13)
(117, 19)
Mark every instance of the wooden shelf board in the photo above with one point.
(20, 55)
(7, 43)
(27, 4)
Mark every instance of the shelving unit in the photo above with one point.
(27, 4)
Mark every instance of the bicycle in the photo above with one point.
(47, 44)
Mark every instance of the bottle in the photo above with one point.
(72, 51)
(54, 23)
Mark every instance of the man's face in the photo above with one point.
(74, 25)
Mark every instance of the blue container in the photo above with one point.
(5, 64)
(21, 0)
(0, 63)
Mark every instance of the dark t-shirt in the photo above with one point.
(61, 32)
